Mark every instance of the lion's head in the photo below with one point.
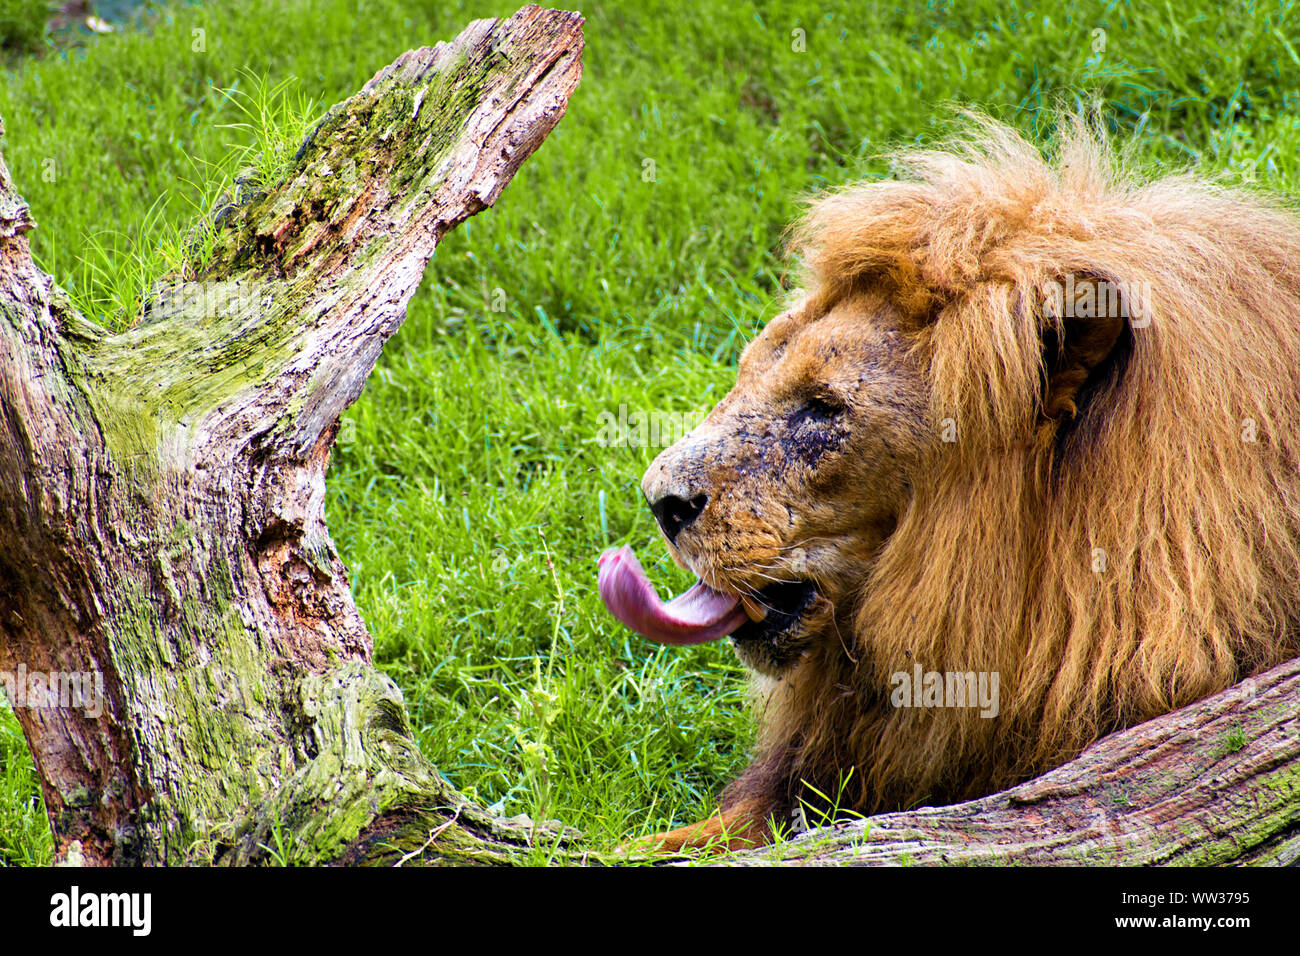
(1028, 418)
(788, 490)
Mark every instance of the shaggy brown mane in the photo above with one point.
(1116, 529)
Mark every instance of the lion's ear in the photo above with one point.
(1087, 337)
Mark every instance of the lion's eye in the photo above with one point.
(819, 408)
(823, 407)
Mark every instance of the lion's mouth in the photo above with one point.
(776, 610)
(700, 613)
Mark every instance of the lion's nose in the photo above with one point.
(674, 513)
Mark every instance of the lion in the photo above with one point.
(1032, 422)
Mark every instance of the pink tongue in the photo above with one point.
(696, 615)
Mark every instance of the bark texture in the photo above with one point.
(161, 522)
(161, 490)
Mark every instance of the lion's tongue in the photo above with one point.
(696, 615)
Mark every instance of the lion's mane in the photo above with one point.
(1115, 529)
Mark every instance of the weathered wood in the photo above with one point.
(161, 489)
(1215, 783)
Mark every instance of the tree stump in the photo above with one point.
(161, 489)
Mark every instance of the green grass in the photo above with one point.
(472, 497)
(1233, 741)
(24, 830)
(22, 27)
